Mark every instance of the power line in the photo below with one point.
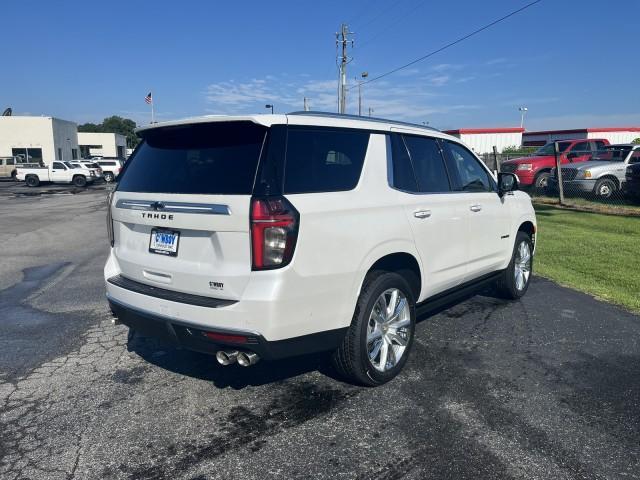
(451, 44)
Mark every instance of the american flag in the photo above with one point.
(148, 98)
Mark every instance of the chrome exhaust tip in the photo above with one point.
(246, 359)
(226, 357)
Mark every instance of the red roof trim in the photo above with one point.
(485, 130)
(586, 130)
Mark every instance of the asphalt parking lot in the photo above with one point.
(544, 388)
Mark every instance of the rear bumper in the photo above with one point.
(195, 337)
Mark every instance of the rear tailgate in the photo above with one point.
(181, 209)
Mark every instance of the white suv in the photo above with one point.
(270, 236)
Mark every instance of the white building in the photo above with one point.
(613, 134)
(40, 139)
(102, 145)
(482, 140)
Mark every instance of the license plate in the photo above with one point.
(164, 242)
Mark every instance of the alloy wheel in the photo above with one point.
(522, 265)
(388, 331)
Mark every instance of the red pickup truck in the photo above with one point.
(535, 170)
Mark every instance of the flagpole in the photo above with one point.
(152, 119)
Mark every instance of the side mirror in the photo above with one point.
(507, 182)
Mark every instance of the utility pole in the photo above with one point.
(523, 110)
(342, 39)
(370, 111)
(306, 105)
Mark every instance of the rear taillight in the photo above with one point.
(274, 231)
(110, 219)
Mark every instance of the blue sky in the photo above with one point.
(573, 63)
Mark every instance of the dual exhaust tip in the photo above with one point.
(244, 359)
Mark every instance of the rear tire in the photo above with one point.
(14, 175)
(515, 280)
(79, 181)
(32, 181)
(605, 188)
(378, 342)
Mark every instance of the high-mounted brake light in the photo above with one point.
(274, 231)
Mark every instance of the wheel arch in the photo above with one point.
(402, 261)
(613, 178)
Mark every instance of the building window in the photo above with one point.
(28, 155)
(120, 152)
(74, 153)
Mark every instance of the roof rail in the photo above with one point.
(358, 117)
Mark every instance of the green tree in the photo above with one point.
(636, 141)
(89, 127)
(114, 124)
(123, 126)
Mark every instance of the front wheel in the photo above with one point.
(542, 180)
(108, 177)
(377, 344)
(605, 188)
(516, 278)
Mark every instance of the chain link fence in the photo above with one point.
(605, 179)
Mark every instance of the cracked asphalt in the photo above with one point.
(544, 388)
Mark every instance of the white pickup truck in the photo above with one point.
(57, 172)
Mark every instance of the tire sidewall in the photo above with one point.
(612, 188)
(31, 181)
(108, 177)
(383, 283)
(520, 237)
(79, 181)
(539, 179)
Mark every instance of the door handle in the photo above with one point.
(422, 213)
(475, 208)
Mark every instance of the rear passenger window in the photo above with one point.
(403, 177)
(428, 164)
(323, 160)
(472, 176)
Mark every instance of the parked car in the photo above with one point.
(56, 172)
(270, 236)
(91, 166)
(632, 181)
(9, 166)
(534, 171)
(603, 175)
(111, 168)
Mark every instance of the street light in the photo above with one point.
(523, 110)
(362, 75)
(269, 106)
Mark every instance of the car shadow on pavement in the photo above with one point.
(205, 367)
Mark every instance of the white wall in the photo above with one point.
(109, 143)
(46, 133)
(484, 142)
(623, 136)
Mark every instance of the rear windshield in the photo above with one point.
(212, 158)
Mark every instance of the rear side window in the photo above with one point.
(323, 159)
(428, 164)
(107, 164)
(212, 158)
(403, 176)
